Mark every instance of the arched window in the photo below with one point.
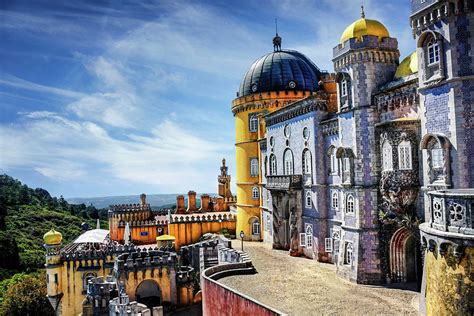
(335, 200)
(387, 156)
(436, 154)
(308, 201)
(333, 166)
(309, 235)
(404, 155)
(253, 122)
(350, 204)
(255, 225)
(307, 163)
(265, 170)
(254, 167)
(348, 253)
(255, 193)
(433, 51)
(288, 162)
(273, 165)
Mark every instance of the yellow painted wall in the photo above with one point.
(449, 285)
(190, 233)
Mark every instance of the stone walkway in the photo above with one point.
(299, 286)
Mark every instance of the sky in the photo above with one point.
(102, 98)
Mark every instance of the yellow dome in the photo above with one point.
(408, 66)
(52, 237)
(363, 27)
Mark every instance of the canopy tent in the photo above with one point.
(92, 236)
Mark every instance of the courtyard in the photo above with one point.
(299, 286)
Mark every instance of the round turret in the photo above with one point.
(52, 237)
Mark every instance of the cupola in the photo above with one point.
(52, 237)
(363, 27)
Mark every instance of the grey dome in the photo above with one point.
(279, 71)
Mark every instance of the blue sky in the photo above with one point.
(123, 97)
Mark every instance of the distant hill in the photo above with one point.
(156, 200)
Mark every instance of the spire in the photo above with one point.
(362, 13)
(276, 39)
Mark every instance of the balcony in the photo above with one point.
(284, 182)
(452, 211)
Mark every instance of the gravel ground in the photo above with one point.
(299, 286)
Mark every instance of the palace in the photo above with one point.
(370, 168)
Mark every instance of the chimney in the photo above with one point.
(204, 203)
(220, 204)
(191, 202)
(180, 204)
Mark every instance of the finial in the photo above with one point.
(362, 13)
(276, 39)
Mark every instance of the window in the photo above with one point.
(56, 278)
(307, 162)
(256, 228)
(273, 165)
(309, 235)
(253, 167)
(328, 244)
(265, 167)
(433, 52)
(255, 193)
(253, 122)
(272, 141)
(348, 252)
(288, 162)
(344, 88)
(332, 160)
(268, 223)
(350, 204)
(387, 156)
(305, 133)
(287, 131)
(436, 156)
(302, 240)
(346, 164)
(404, 155)
(335, 200)
(308, 201)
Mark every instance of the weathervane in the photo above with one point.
(276, 39)
(362, 13)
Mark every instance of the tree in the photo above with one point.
(27, 297)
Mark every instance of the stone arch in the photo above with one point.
(148, 292)
(403, 256)
(442, 140)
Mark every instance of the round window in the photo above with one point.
(287, 131)
(254, 87)
(305, 132)
(292, 84)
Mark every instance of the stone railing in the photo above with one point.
(452, 210)
(284, 182)
(202, 217)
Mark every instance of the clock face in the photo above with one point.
(292, 84)
(287, 131)
(254, 87)
(305, 133)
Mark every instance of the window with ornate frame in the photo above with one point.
(387, 156)
(333, 162)
(335, 200)
(348, 252)
(308, 199)
(253, 122)
(404, 156)
(255, 193)
(438, 150)
(273, 165)
(309, 235)
(254, 167)
(433, 51)
(288, 162)
(350, 204)
(302, 240)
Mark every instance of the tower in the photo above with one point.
(52, 244)
(223, 181)
(273, 81)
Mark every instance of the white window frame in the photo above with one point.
(256, 228)
(437, 159)
(346, 164)
(255, 193)
(308, 198)
(288, 162)
(335, 198)
(348, 255)
(387, 156)
(253, 122)
(309, 235)
(254, 172)
(302, 240)
(404, 156)
(328, 244)
(344, 88)
(273, 165)
(350, 204)
(334, 163)
(307, 162)
(433, 52)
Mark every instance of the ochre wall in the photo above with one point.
(449, 285)
(190, 233)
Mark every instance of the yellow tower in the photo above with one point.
(54, 268)
(272, 82)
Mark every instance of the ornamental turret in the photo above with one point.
(52, 243)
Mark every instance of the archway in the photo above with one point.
(403, 257)
(148, 292)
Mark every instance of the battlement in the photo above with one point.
(145, 223)
(202, 217)
(122, 208)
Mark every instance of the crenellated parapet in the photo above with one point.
(202, 217)
(146, 223)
